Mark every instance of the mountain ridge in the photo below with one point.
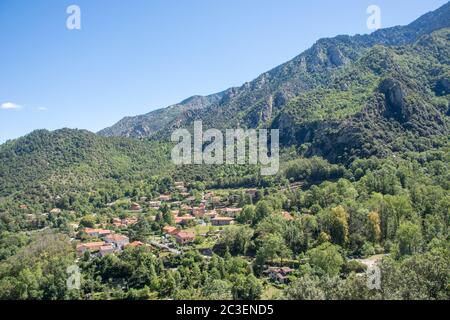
(257, 102)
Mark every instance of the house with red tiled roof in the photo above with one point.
(98, 233)
(231, 212)
(89, 246)
(211, 214)
(199, 211)
(135, 244)
(184, 237)
(184, 219)
(106, 249)
(280, 275)
(118, 240)
(170, 230)
(222, 221)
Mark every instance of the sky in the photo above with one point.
(131, 57)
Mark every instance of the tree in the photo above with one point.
(88, 221)
(273, 248)
(409, 238)
(326, 259)
(215, 289)
(305, 288)
(247, 215)
(263, 209)
(374, 228)
(246, 287)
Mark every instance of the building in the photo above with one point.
(222, 221)
(211, 214)
(90, 247)
(184, 220)
(165, 198)
(106, 249)
(231, 212)
(170, 230)
(97, 233)
(179, 184)
(123, 223)
(135, 244)
(154, 204)
(200, 211)
(184, 237)
(279, 274)
(118, 240)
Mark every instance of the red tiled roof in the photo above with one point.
(91, 245)
(116, 237)
(185, 235)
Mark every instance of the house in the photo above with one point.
(186, 207)
(97, 233)
(184, 219)
(118, 240)
(200, 211)
(185, 194)
(231, 212)
(179, 184)
(123, 223)
(154, 204)
(184, 237)
(106, 249)
(222, 221)
(55, 211)
(135, 207)
(170, 230)
(135, 244)
(279, 274)
(89, 246)
(165, 198)
(23, 207)
(211, 214)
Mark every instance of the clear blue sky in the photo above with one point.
(134, 56)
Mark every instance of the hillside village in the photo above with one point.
(194, 222)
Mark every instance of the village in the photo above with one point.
(196, 223)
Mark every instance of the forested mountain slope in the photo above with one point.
(258, 102)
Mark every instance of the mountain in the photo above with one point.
(45, 162)
(267, 100)
(343, 99)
